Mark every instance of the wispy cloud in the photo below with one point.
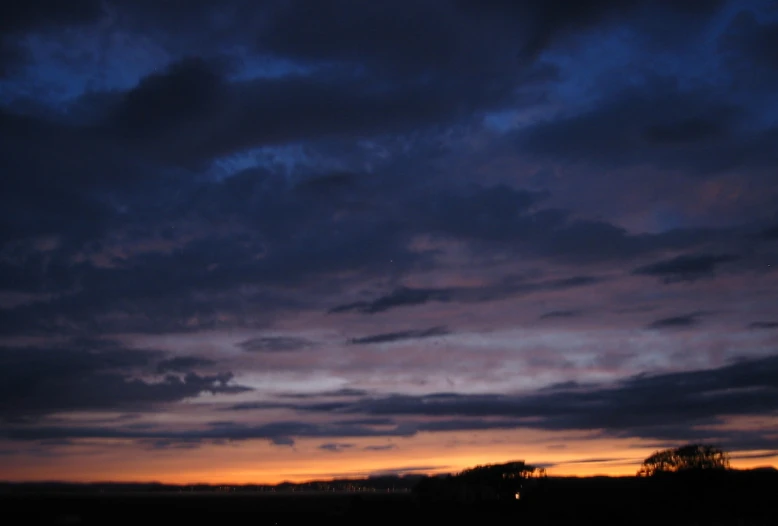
(506, 288)
(560, 314)
(763, 325)
(275, 344)
(686, 268)
(390, 337)
(677, 322)
(336, 447)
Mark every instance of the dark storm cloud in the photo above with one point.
(256, 200)
(318, 404)
(279, 232)
(153, 288)
(467, 34)
(560, 314)
(663, 407)
(461, 35)
(691, 129)
(167, 444)
(647, 406)
(196, 113)
(406, 296)
(514, 219)
(770, 233)
(21, 16)
(35, 270)
(372, 34)
(763, 325)
(41, 149)
(12, 57)
(564, 386)
(275, 344)
(400, 297)
(279, 433)
(455, 40)
(338, 393)
(659, 123)
(183, 364)
(751, 44)
(55, 177)
(336, 447)
(79, 355)
(390, 337)
(151, 293)
(200, 114)
(327, 185)
(191, 113)
(258, 406)
(181, 94)
(373, 421)
(676, 322)
(282, 441)
(686, 267)
(120, 211)
(38, 381)
(498, 213)
(282, 231)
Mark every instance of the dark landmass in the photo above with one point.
(733, 497)
(387, 483)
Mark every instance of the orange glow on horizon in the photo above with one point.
(259, 462)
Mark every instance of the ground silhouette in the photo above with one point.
(687, 486)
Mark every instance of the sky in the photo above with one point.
(252, 241)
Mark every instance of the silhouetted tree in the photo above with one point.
(692, 457)
(504, 482)
(509, 474)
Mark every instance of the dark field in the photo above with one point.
(736, 501)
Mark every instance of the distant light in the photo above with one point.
(517, 496)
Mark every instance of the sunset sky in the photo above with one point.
(254, 241)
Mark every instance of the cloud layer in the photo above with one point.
(362, 225)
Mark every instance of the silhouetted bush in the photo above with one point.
(692, 457)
